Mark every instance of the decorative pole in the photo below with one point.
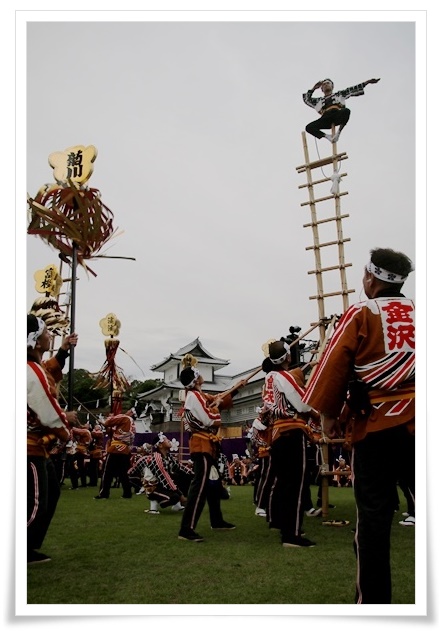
(71, 218)
(48, 282)
(110, 374)
(71, 350)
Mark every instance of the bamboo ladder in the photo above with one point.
(318, 247)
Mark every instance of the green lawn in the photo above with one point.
(111, 552)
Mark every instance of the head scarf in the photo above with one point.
(385, 275)
(33, 336)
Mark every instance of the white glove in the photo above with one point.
(257, 424)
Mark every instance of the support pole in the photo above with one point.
(72, 324)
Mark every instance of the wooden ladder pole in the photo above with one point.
(340, 240)
(317, 253)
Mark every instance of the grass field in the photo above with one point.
(111, 552)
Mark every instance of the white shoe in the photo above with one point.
(329, 137)
(313, 512)
(140, 491)
(151, 511)
(177, 507)
(260, 512)
(408, 522)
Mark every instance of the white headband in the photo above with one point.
(284, 356)
(33, 336)
(384, 275)
(196, 375)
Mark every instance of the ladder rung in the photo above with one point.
(342, 293)
(311, 184)
(328, 243)
(328, 197)
(322, 162)
(339, 267)
(323, 221)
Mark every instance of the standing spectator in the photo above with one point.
(223, 470)
(96, 449)
(46, 425)
(120, 429)
(202, 420)
(367, 375)
(78, 463)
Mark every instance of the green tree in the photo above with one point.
(138, 387)
(84, 391)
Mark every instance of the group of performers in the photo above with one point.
(363, 387)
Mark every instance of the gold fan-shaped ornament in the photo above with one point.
(189, 360)
(48, 281)
(110, 325)
(74, 163)
(265, 346)
(69, 212)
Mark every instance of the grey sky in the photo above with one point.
(198, 130)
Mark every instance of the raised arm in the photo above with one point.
(365, 83)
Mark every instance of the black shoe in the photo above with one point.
(224, 526)
(298, 542)
(190, 535)
(34, 557)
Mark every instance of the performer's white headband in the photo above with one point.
(385, 275)
(194, 381)
(282, 358)
(33, 336)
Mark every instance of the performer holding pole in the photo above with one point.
(368, 375)
(203, 422)
(289, 416)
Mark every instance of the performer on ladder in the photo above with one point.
(331, 107)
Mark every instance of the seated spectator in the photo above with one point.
(237, 471)
(342, 476)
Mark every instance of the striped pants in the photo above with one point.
(200, 491)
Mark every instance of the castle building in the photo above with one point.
(161, 405)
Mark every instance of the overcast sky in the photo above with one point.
(198, 127)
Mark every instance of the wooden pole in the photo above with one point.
(323, 346)
(72, 325)
(258, 369)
